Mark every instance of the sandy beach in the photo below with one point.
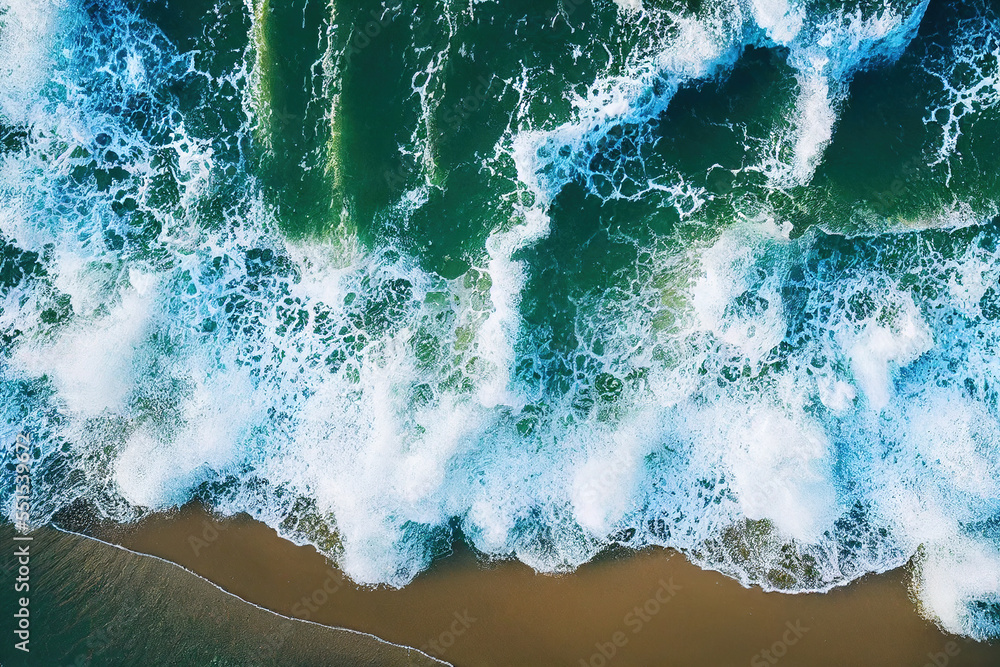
(643, 609)
(92, 604)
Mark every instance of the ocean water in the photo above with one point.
(547, 277)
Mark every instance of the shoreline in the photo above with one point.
(646, 608)
(97, 603)
(284, 617)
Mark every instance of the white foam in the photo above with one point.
(495, 339)
(29, 32)
(728, 268)
(781, 20)
(879, 348)
(951, 574)
(835, 394)
(337, 389)
(158, 472)
(825, 55)
(548, 159)
(603, 487)
(782, 472)
(91, 362)
(969, 75)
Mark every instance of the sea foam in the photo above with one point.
(795, 410)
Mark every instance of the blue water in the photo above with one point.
(720, 276)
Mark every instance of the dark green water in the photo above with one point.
(717, 275)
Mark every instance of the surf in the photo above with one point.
(635, 297)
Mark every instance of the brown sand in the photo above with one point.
(473, 614)
(93, 604)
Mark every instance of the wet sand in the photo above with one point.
(93, 605)
(643, 609)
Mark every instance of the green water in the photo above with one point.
(546, 277)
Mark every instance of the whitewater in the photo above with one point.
(644, 278)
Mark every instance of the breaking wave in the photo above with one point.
(621, 285)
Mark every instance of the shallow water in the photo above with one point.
(96, 604)
(719, 276)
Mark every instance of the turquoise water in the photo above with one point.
(547, 277)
